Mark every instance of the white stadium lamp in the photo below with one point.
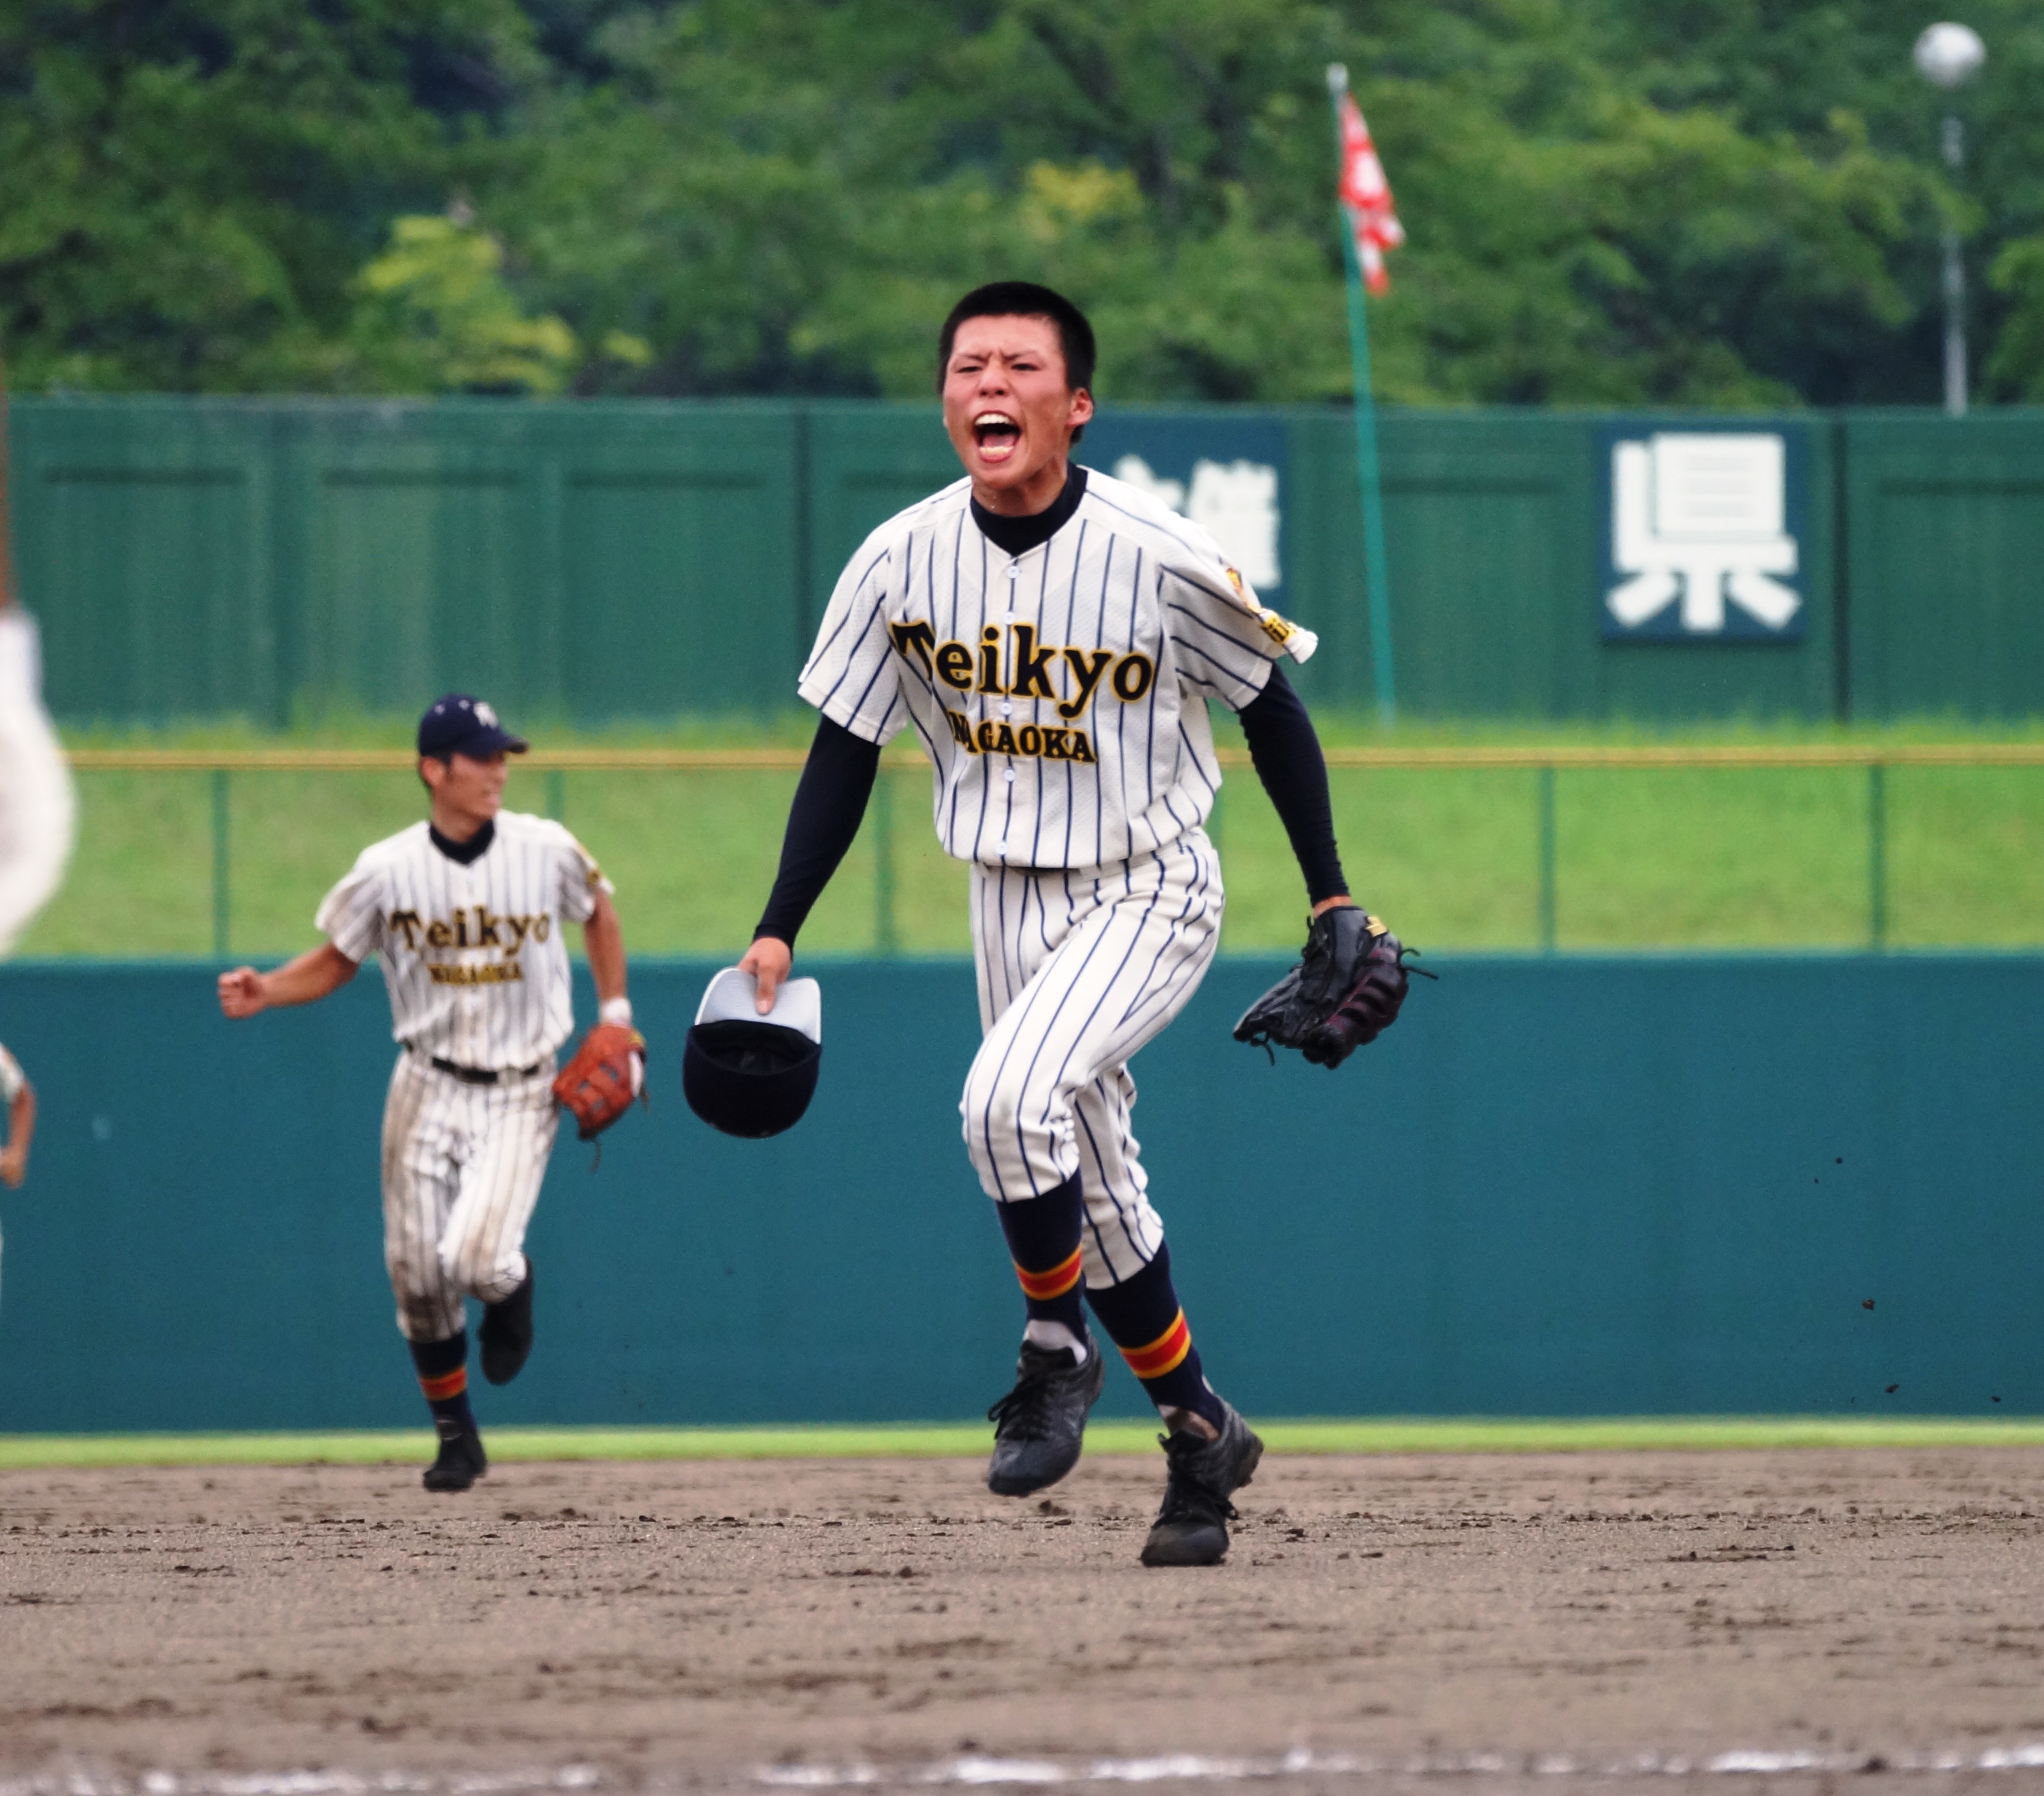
(1948, 56)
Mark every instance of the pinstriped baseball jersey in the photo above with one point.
(472, 955)
(1060, 693)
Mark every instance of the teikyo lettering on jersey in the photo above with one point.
(1060, 692)
(485, 930)
(470, 946)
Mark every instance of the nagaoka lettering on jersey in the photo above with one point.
(1048, 742)
(490, 973)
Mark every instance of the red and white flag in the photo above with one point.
(1365, 198)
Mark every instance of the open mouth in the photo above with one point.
(997, 433)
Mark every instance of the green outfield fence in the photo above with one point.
(896, 853)
(1562, 1186)
(596, 560)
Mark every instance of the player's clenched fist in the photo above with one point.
(244, 992)
(241, 994)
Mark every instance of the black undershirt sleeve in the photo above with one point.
(1289, 761)
(830, 804)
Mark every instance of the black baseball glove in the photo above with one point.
(1346, 990)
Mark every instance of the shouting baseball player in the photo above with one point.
(1053, 636)
(465, 912)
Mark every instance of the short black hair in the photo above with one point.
(1024, 299)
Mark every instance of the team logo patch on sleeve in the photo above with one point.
(1279, 630)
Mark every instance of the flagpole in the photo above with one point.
(1376, 572)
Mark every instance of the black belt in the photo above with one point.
(484, 1075)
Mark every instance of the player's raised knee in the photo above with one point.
(995, 1109)
(470, 1266)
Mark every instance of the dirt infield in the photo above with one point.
(1487, 1619)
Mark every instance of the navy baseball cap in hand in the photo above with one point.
(459, 725)
(747, 1074)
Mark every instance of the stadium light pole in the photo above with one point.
(1948, 56)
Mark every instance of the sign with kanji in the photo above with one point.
(1228, 475)
(1702, 528)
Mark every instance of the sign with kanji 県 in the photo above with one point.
(1702, 531)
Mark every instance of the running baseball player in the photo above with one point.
(465, 912)
(1053, 636)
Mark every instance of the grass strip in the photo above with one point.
(1702, 857)
(969, 1440)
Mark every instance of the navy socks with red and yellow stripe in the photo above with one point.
(1043, 1234)
(1143, 1317)
(443, 1369)
(1141, 1314)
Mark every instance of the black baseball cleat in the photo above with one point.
(506, 1333)
(462, 1460)
(1192, 1527)
(1040, 1424)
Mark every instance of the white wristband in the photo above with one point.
(615, 1010)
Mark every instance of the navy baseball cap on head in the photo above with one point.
(459, 725)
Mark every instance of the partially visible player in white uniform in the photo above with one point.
(19, 1097)
(465, 913)
(1054, 637)
(37, 810)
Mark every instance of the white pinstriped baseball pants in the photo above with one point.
(461, 1169)
(1078, 970)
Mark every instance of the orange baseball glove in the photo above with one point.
(608, 1071)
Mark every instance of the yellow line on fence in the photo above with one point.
(790, 760)
(402, 760)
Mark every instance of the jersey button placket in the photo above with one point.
(467, 997)
(1007, 708)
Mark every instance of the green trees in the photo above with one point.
(434, 313)
(188, 188)
(1708, 203)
